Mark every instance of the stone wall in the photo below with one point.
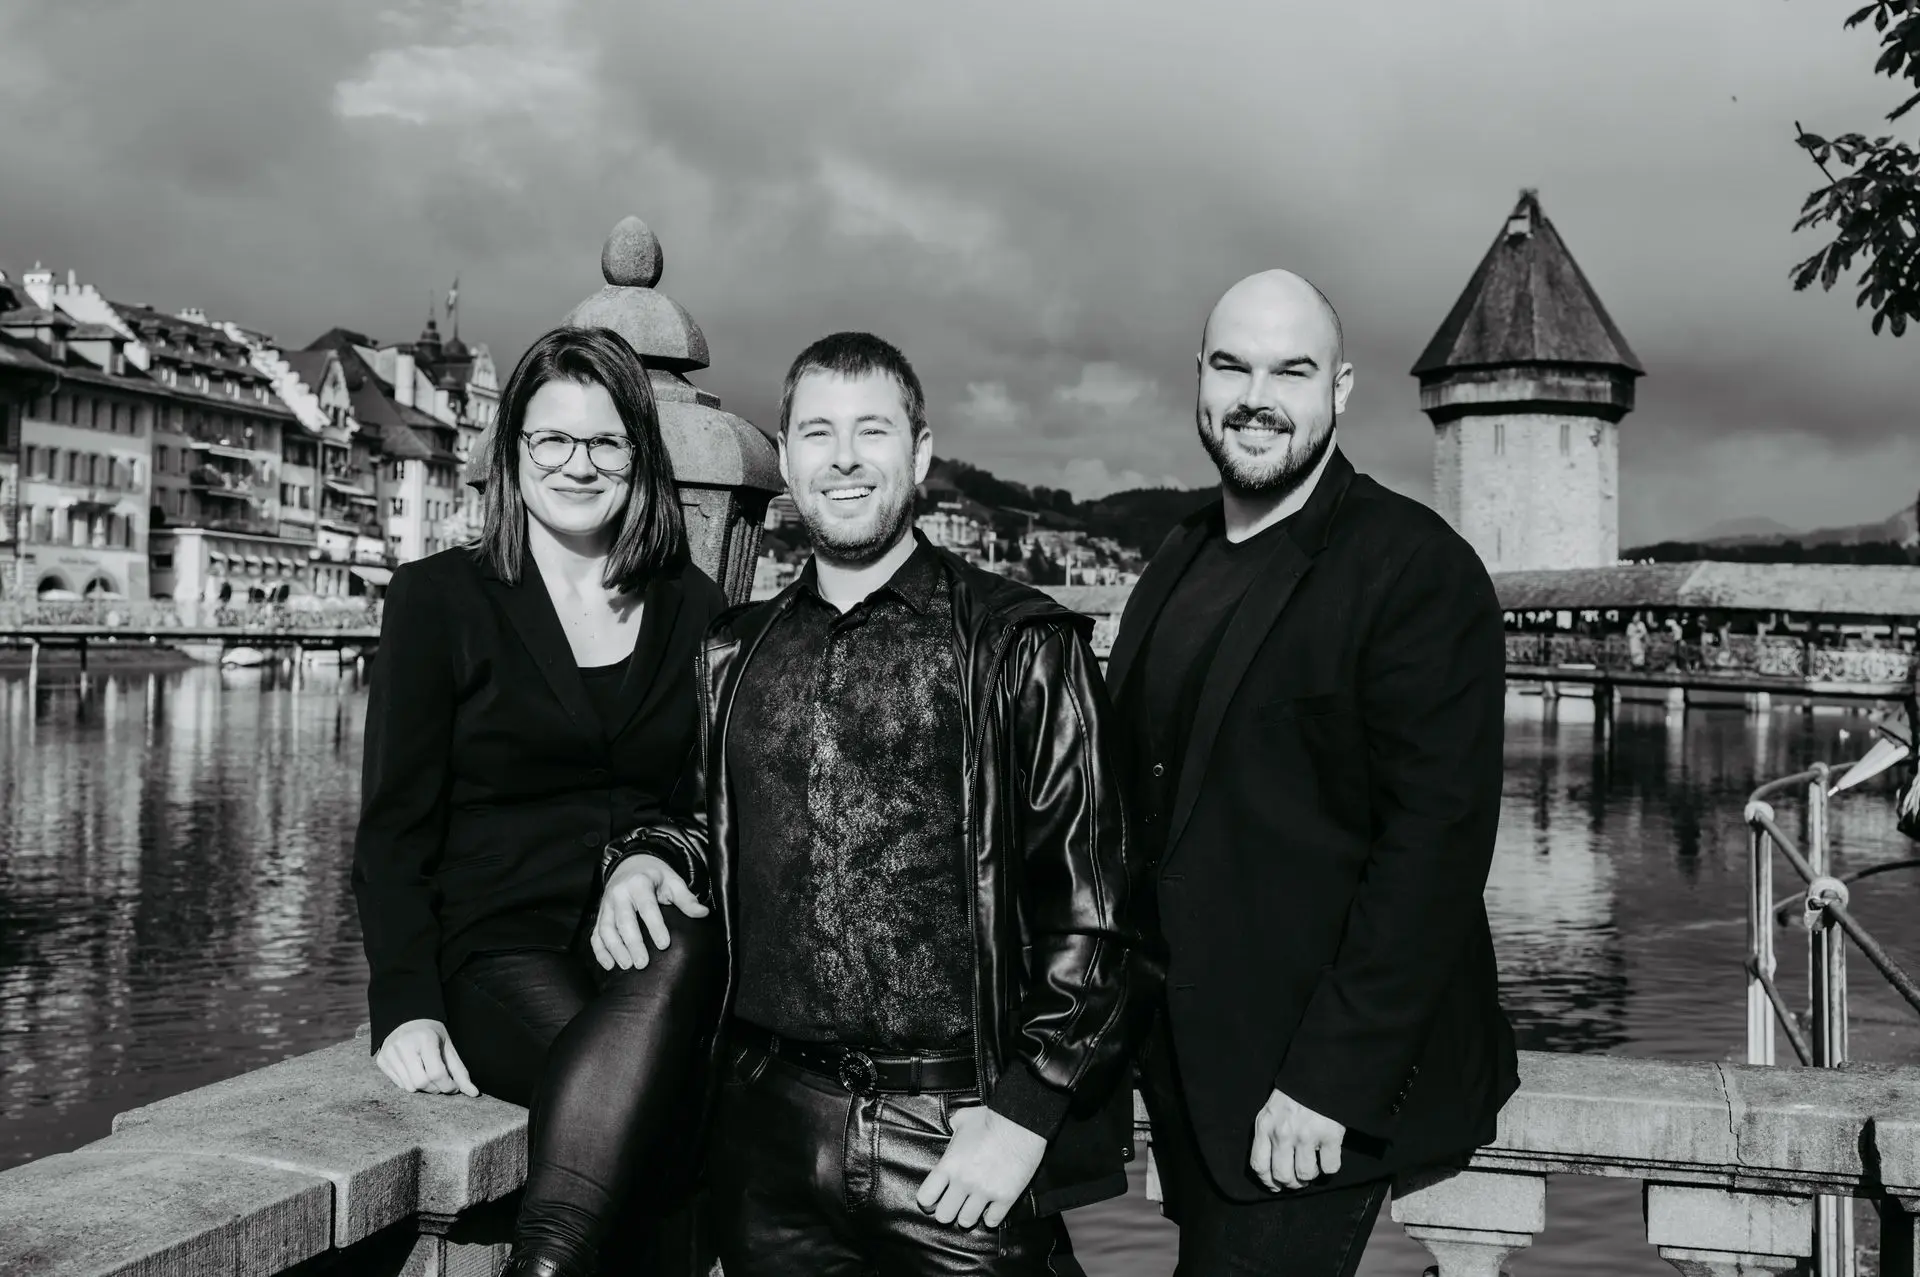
(318, 1164)
(1531, 490)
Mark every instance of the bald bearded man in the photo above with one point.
(1311, 672)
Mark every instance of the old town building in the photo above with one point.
(82, 420)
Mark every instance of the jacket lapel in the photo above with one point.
(1258, 611)
(660, 615)
(530, 609)
(1150, 594)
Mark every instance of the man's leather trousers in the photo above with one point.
(809, 1180)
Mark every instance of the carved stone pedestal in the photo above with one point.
(1470, 1221)
(1713, 1232)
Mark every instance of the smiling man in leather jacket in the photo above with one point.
(914, 838)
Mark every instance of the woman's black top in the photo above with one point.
(603, 689)
(496, 769)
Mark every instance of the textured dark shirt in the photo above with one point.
(1174, 661)
(845, 750)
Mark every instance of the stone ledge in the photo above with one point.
(104, 1213)
(1733, 1126)
(389, 1155)
(320, 1153)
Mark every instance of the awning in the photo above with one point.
(349, 489)
(374, 576)
(222, 450)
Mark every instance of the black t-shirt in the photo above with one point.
(603, 689)
(1164, 688)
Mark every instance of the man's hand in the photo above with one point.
(1292, 1144)
(988, 1163)
(639, 886)
(419, 1056)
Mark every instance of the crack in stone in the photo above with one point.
(1733, 1130)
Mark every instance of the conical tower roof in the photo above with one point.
(1528, 303)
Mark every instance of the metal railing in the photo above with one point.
(1820, 1040)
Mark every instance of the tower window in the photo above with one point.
(1499, 436)
(1566, 437)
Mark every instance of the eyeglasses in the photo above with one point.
(551, 450)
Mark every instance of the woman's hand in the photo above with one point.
(419, 1056)
(634, 894)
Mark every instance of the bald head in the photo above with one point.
(1279, 298)
(1274, 380)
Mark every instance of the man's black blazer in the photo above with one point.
(489, 787)
(1320, 891)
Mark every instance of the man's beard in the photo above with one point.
(1275, 478)
(838, 543)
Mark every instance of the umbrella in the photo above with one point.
(1888, 750)
(59, 596)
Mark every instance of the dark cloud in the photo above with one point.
(1038, 201)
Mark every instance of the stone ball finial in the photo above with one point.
(657, 327)
(632, 257)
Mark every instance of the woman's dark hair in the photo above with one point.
(652, 536)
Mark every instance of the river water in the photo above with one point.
(174, 908)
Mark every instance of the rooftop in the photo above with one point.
(1823, 588)
(1528, 303)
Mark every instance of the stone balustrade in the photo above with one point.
(318, 1162)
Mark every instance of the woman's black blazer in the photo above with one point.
(489, 786)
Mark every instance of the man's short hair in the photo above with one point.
(853, 355)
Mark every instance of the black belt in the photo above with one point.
(862, 1071)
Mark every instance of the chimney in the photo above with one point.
(403, 377)
(38, 284)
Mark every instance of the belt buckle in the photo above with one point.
(857, 1073)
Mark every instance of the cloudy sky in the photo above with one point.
(1037, 199)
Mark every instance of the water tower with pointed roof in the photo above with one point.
(724, 468)
(1526, 383)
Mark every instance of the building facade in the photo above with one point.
(81, 452)
(1526, 383)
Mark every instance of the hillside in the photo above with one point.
(1138, 519)
(1894, 539)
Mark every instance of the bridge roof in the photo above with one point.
(1806, 588)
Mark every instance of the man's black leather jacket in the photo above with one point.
(1061, 976)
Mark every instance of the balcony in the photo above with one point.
(214, 482)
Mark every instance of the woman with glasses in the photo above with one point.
(532, 702)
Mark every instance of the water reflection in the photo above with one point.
(174, 904)
(173, 898)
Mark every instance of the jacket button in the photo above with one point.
(590, 839)
(1159, 769)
